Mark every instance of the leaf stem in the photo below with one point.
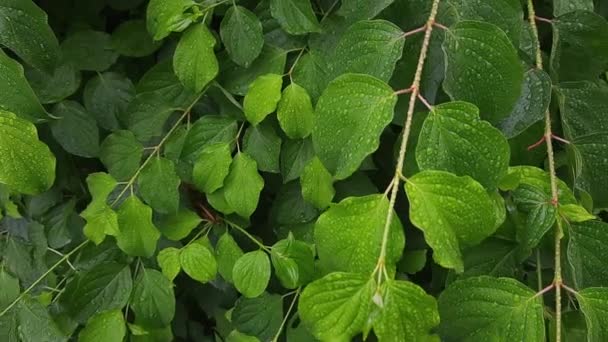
(381, 264)
(41, 278)
(293, 302)
(246, 233)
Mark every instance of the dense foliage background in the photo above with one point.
(301, 170)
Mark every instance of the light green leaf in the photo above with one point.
(362, 9)
(349, 118)
(243, 185)
(168, 260)
(89, 50)
(262, 97)
(212, 167)
(260, 317)
(153, 300)
(295, 112)
(538, 178)
(486, 308)
(55, 85)
(263, 144)
(241, 33)
(36, 323)
(317, 184)
(101, 219)
(138, 235)
(106, 326)
(16, 95)
(575, 213)
(121, 154)
(293, 262)
(506, 14)
(453, 212)
(540, 215)
(106, 96)
(198, 262)
(227, 252)
(407, 313)
(564, 6)
(103, 287)
(194, 60)
(133, 40)
(337, 306)
(164, 17)
(76, 129)
(594, 305)
(25, 30)
(251, 273)
(454, 139)
(208, 130)
(178, 226)
(587, 253)
(348, 236)
(218, 201)
(295, 16)
(482, 68)
(158, 185)
(26, 164)
(295, 155)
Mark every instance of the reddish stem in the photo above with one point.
(425, 102)
(536, 144)
(545, 20)
(414, 31)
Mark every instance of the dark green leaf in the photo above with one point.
(212, 167)
(263, 144)
(208, 130)
(295, 155)
(75, 129)
(587, 252)
(89, 50)
(132, 39)
(158, 185)
(241, 33)
(36, 323)
(138, 235)
(506, 14)
(295, 16)
(362, 9)
(594, 304)
(164, 17)
(153, 300)
(107, 96)
(121, 154)
(260, 317)
(55, 85)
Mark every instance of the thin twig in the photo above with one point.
(246, 233)
(293, 302)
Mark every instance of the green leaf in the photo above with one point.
(260, 317)
(106, 326)
(36, 323)
(89, 50)
(158, 185)
(164, 17)
(295, 112)
(10, 289)
(337, 306)
(531, 106)
(227, 252)
(106, 96)
(506, 14)
(262, 97)
(101, 219)
(454, 139)
(212, 167)
(198, 262)
(146, 115)
(580, 46)
(168, 260)
(121, 154)
(293, 262)
(263, 144)
(153, 300)
(194, 60)
(348, 236)
(407, 313)
(25, 30)
(575, 213)
(453, 212)
(362, 9)
(162, 81)
(178, 226)
(295, 155)
(241, 33)
(482, 68)
(587, 253)
(594, 304)
(564, 6)
(486, 308)
(295, 16)
(76, 129)
(218, 201)
(243, 185)
(251, 273)
(349, 118)
(26, 164)
(494, 257)
(538, 178)
(540, 215)
(132, 39)
(104, 287)
(138, 235)
(317, 184)
(16, 95)
(55, 85)
(206, 131)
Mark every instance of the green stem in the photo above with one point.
(293, 302)
(242, 230)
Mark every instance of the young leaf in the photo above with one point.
(337, 306)
(260, 317)
(317, 184)
(295, 112)
(262, 97)
(106, 326)
(76, 129)
(594, 304)
(16, 95)
(106, 96)
(295, 16)
(227, 252)
(169, 262)
(26, 164)
(454, 139)
(121, 154)
(263, 144)
(453, 212)
(587, 252)
(101, 219)
(178, 226)
(133, 40)
(349, 118)
(89, 50)
(348, 236)
(212, 167)
(158, 185)
(243, 185)
(194, 60)
(153, 300)
(138, 235)
(198, 262)
(164, 17)
(293, 262)
(241, 33)
(251, 273)
(484, 308)
(482, 68)
(575, 213)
